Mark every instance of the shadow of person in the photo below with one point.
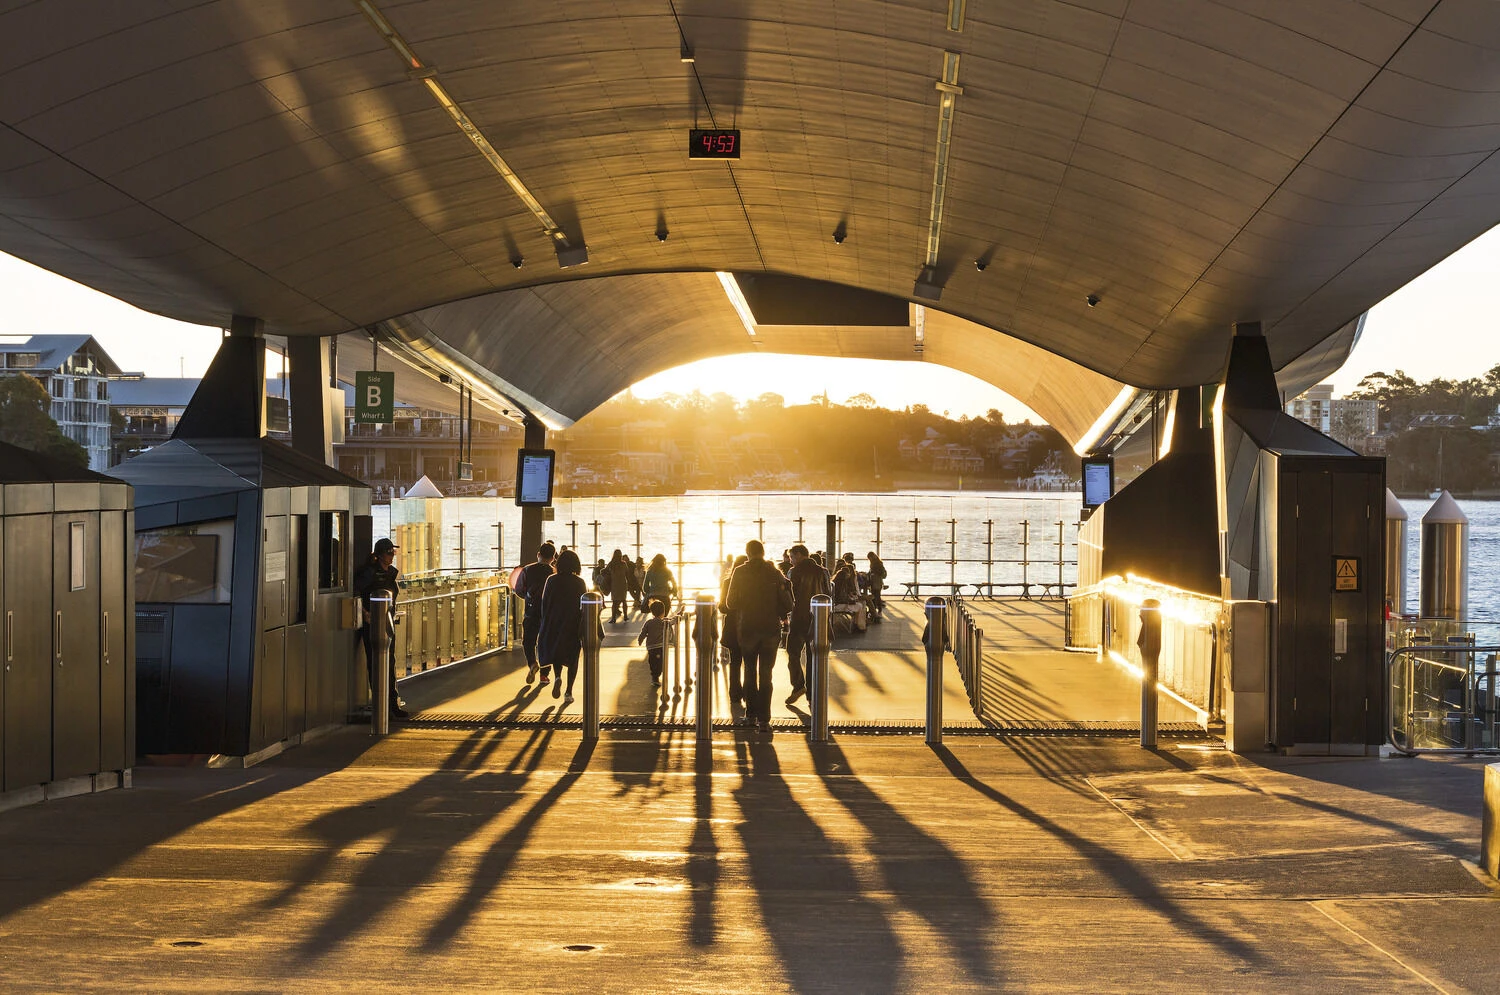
(502, 854)
(637, 696)
(418, 825)
(1117, 867)
(827, 933)
(921, 871)
(703, 856)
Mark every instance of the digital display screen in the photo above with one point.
(534, 476)
(1098, 481)
(714, 143)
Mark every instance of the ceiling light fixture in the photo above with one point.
(927, 285)
(956, 14)
(919, 326)
(567, 253)
(737, 298)
(685, 53)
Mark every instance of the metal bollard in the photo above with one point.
(592, 604)
(380, 666)
(706, 635)
(817, 680)
(1150, 646)
(937, 635)
(979, 674)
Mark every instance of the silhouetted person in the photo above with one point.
(378, 577)
(638, 574)
(654, 636)
(659, 583)
(729, 638)
(560, 635)
(875, 583)
(533, 579)
(807, 579)
(621, 584)
(760, 598)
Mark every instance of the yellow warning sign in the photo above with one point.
(1346, 573)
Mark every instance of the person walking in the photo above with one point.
(560, 630)
(621, 585)
(638, 574)
(654, 636)
(758, 598)
(533, 579)
(729, 637)
(378, 577)
(807, 578)
(659, 583)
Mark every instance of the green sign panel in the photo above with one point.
(374, 397)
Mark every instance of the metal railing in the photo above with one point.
(967, 645)
(1045, 566)
(1106, 618)
(447, 619)
(1442, 698)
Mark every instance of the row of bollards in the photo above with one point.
(968, 651)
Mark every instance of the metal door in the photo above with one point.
(28, 673)
(113, 662)
(76, 651)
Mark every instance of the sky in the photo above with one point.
(1440, 324)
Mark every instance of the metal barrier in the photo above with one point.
(592, 605)
(1442, 698)
(380, 668)
(937, 637)
(1106, 618)
(968, 653)
(447, 619)
(706, 635)
(817, 678)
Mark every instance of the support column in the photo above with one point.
(312, 424)
(531, 516)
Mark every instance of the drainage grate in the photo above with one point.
(872, 727)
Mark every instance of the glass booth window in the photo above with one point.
(333, 538)
(185, 564)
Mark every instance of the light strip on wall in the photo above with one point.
(418, 69)
(956, 14)
(1104, 422)
(737, 299)
(919, 325)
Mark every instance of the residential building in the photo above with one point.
(1314, 407)
(1351, 420)
(77, 375)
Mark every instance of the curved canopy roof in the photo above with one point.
(326, 165)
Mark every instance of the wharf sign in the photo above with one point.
(374, 397)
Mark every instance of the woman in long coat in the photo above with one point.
(560, 633)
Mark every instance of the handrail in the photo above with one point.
(1466, 713)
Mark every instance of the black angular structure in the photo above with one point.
(67, 684)
(246, 549)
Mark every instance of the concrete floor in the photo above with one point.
(449, 860)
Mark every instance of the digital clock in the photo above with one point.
(704, 143)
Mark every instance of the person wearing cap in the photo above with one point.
(379, 574)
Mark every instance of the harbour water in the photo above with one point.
(924, 516)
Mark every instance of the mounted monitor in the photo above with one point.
(534, 477)
(1098, 480)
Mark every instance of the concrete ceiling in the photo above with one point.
(1192, 164)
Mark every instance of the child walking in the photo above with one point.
(654, 635)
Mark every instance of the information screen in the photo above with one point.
(721, 143)
(534, 476)
(1098, 481)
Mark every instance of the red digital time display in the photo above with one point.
(704, 143)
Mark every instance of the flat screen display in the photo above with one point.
(534, 476)
(1098, 481)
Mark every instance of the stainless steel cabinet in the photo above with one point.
(28, 670)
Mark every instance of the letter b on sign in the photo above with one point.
(374, 397)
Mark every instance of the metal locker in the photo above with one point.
(28, 674)
(5, 645)
(113, 659)
(76, 650)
